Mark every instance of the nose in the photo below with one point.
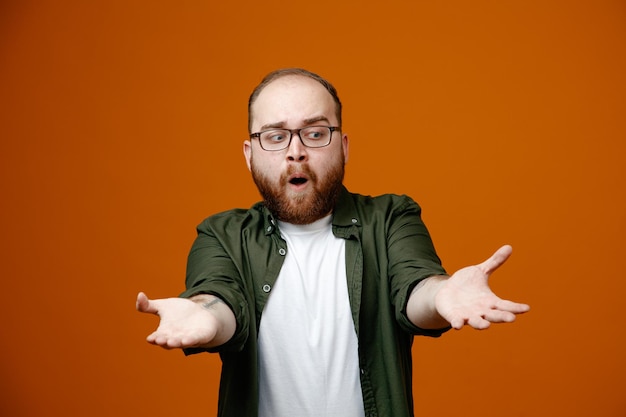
(296, 151)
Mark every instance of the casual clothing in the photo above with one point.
(238, 256)
(308, 350)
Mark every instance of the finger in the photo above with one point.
(457, 323)
(479, 323)
(152, 338)
(498, 316)
(498, 258)
(476, 322)
(516, 308)
(163, 341)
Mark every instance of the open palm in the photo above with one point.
(466, 298)
(183, 323)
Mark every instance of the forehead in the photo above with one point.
(290, 101)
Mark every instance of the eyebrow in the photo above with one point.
(307, 122)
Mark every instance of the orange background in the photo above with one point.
(121, 125)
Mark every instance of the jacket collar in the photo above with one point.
(344, 214)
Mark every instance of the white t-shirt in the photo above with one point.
(308, 349)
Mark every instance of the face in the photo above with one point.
(299, 184)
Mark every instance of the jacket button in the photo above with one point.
(282, 251)
(267, 288)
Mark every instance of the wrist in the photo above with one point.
(422, 307)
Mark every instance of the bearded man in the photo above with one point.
(312, 297)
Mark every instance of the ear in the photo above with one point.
(247, 153)
(344, 145)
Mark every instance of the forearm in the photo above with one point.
(421, 309)
(225, 321)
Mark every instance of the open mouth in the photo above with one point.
(297, 181)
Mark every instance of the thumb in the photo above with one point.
(144, 305)
(496, 260)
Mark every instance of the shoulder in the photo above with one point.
(383, 200)
(236, 218)
(364, 206)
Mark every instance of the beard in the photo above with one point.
(305, 207)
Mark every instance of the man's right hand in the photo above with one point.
(202, 321)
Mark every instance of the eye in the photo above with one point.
(274, 136)
(315, 132)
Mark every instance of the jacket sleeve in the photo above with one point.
(211, 270)
(412, 258)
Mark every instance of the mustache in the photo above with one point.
(300, 169)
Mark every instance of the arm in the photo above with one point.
(202, 321)
(463, 298)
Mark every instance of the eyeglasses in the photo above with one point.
(310, 136)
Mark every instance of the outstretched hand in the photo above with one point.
(184, 323)
(465, 297)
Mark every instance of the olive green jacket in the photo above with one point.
(238, 254)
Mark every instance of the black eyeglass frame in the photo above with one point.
(332, 129)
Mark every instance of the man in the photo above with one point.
(312, 297)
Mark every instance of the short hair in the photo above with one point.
(285, 72)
